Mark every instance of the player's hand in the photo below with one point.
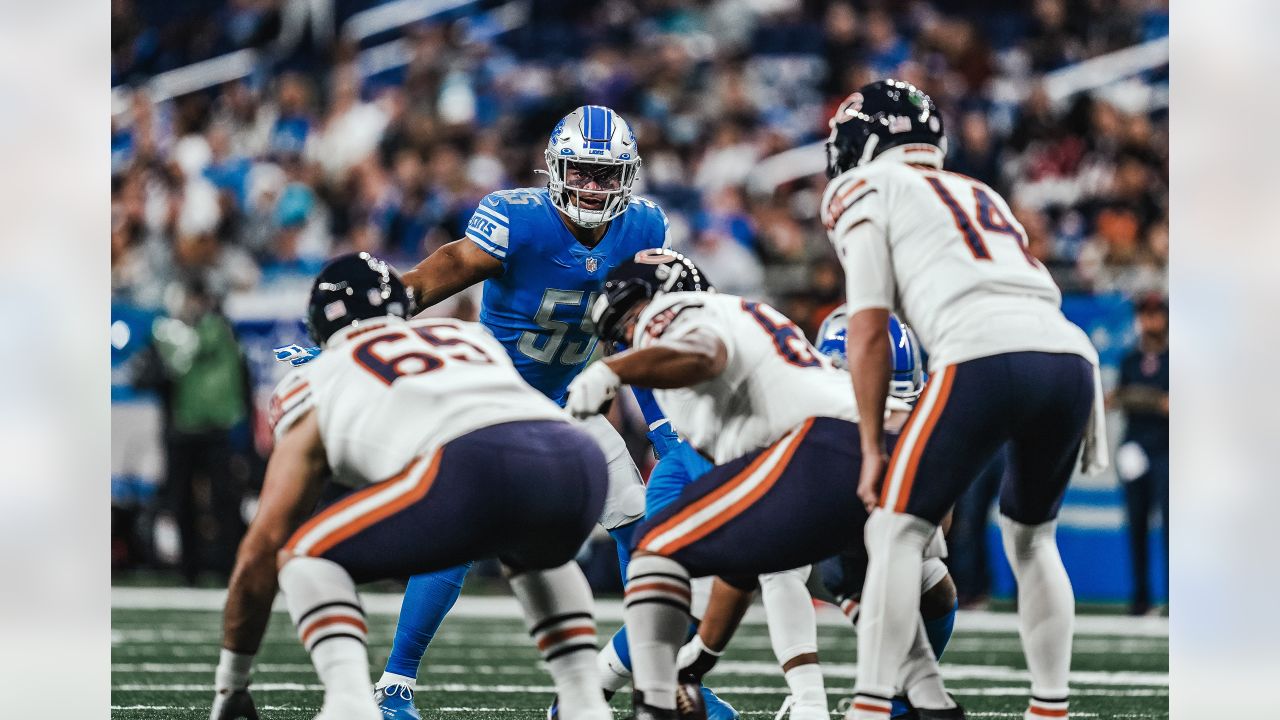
(593, 387)
(874, 465)
(233, 705)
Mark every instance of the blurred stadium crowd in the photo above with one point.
(332, 143)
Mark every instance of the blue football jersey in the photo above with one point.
(538, 307)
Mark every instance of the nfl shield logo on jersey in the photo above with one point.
(592, 263)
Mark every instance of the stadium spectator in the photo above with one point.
(1143, 460)
(201, 374)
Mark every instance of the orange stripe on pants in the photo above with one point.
(374, 516)
(917, 449)
(737, 508)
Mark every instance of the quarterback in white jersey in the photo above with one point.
(427, 422)
(744, 387)
(945, 252)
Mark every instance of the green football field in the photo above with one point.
(482, 664)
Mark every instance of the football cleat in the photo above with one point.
(955, 713)
(716, 708)
(396, 702)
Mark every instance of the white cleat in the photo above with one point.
(354, 708)
(809, 711)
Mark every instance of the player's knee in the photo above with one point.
(1022, 540)
(800, 574)
(886, 529)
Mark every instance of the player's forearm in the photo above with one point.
(249, 597)
(666, 367)
(443, 274)
(725, 609)
(868, 353)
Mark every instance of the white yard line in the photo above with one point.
(727, 668)
(745, 713)
(506, 608)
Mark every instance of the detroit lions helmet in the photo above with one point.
(907, 376)
(883, 115)
(648, 274)
(592, 145)
(351, 288)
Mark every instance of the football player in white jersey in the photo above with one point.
(427, 422)
(744, 388)
(945, 253)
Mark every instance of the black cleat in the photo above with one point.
(955, 713)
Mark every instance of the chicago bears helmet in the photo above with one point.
(641, 278)
(351, 288)
(600, 148)
(883, 115)
(907, 376)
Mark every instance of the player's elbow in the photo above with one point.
(709, 365)
(867, 333)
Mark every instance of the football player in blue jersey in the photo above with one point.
(543, 254)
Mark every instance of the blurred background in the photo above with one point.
(253, 139)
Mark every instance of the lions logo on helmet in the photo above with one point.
(592, 162)
(907, 375)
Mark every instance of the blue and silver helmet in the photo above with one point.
(592, 160)
(907, 376)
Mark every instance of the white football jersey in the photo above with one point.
(390, 390)
(773, 381)
(944, 251)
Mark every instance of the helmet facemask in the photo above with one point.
(604, 185)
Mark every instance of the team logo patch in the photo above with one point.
(335, 310)
(899, 124)
(592, 264)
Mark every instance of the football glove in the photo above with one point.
(296, 355)
(593, 387)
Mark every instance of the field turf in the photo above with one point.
(482, 664)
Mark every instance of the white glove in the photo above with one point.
(593, 387)
(231, 699)
(696, 659)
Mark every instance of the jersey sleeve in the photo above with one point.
(490, 226)
(686, 322)
(291, 400)
(657, 233)
(855, 215)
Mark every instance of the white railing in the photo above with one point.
(239, 64)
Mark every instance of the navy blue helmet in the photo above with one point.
(352, 288)
(641, 278)
(879, 116)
